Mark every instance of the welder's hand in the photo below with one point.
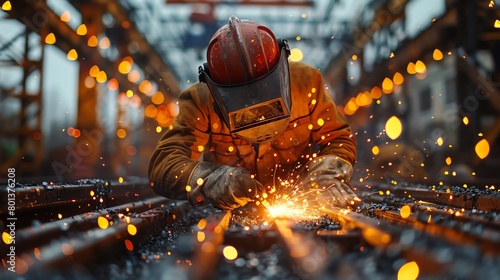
(224, 187)
(328, 177)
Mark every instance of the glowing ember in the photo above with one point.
(448, 161)
(405, 211)
(411, 68)
(94, 71)
(393, 127)
(7, 6)
(102, 222)
(230, 253)
(296, 54)
(101, 77)
(398, 78)
(321, 122)
(129, 245)
(199, 181)
(7, 239)
(376, 92)
(81, 30)
(437, 55)
(124, 67)
(50, 39)
(408, 271)
(387, 85)
(440, 141)
(200, 236)
(420, 67)
(482, 149)
(72, 55)
(121, 133)
(202, 224)
(132, 230)
(92, 42)
(66, 16)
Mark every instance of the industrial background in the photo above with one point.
(88, 87)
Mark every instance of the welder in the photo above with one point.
(253, 120)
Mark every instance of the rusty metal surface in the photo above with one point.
(397, 229)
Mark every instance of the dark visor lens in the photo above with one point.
(258, 114)
(256, 102)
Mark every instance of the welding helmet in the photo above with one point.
(248, 77)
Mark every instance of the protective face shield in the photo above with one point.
(257, 110)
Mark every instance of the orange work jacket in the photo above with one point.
(198, 134)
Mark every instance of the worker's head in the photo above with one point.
(247, 74)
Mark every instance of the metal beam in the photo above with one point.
(361, 36)
(154, 65)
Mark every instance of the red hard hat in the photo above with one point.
(241, 51)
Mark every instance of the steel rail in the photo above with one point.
(48, 201)
(93, 245)
(438, 210)
(46, 232)
(486, 202)
(392, 237)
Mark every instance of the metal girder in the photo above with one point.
(443, 197)
(154, 65)
(29, 13)
(29, 153)
(86, 195)
(57, 228)
(96, 243)
(360, 37)
(427, 41)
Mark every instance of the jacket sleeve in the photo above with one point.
(329, 129)
(180, 148)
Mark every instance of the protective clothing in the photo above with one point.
(198, 133)
(247, 74)
(328, 176)
(224, 187)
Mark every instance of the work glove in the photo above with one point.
(327, 178)
(224, 187)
